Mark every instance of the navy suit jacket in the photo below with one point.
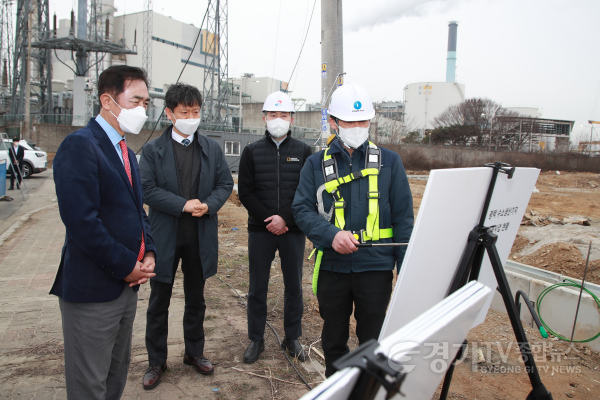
(103, 215)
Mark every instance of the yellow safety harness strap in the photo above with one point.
(339, 204)
(315, 279)
(387, 233)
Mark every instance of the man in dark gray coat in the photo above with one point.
(186, 180)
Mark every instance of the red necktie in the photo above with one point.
(128, 170)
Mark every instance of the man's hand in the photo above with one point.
(140, 276)
(148, 264)
(344, 242)
(192, 206)
(277, 225)
(200, 211)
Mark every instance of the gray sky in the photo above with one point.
(536, 53)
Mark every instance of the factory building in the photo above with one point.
(426, 100)
(172, 41)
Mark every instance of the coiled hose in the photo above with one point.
(565, 283)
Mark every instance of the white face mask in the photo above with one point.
(353, 137)
(187, 126)
(278, 127)
(131, 120)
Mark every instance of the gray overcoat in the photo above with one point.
(161, 193)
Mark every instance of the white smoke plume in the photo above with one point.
(366, 14)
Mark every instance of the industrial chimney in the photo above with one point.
(451, 60)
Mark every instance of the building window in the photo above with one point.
(232, 148)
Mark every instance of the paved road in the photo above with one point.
(32, 184)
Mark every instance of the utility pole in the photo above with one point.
(332, 54)
(240, 110)
(26, 124)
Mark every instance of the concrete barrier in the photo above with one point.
(558, 307)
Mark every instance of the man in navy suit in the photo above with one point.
(16, 153)
(108, 250)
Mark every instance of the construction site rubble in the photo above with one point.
(533, 218)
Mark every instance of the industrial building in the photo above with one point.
(426, 100)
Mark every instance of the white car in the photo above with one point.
(34, 161)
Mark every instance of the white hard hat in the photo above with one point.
(278, 101)
(351, 103)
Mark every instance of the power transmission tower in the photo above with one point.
(147, 50)
(95, 34)
(6, 50)
(41, 66)
(79, 44)
(215, 109)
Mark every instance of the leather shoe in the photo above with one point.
(11, 188)
(253, 351)
(152, 376)
(294, 348)
(201, 363)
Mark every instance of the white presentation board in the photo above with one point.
(451, 207)
(425, 348)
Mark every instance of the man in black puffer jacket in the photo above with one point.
(269, 174)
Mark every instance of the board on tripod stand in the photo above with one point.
(460, 207)
(452, 204)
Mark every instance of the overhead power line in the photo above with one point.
(302, 48)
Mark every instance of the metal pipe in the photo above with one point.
(381, 244)
(581, 291)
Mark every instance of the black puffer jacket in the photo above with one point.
(268, 179)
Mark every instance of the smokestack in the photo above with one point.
(451, 60)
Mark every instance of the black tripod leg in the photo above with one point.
(464, 267)
(539, 391)
(450, 372)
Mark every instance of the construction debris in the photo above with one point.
(533, 218)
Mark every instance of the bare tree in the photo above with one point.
(390, 131)
(477, 123)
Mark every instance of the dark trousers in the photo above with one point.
(369, 292)
(15, 172)
(157, 324)
(261, 251)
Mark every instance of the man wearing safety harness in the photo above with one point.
(351, 193)
(269, 174)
